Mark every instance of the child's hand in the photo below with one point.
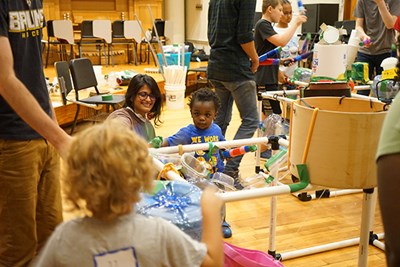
(287, 62)
(301, 19)
(281, 77)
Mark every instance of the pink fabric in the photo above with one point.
(241, 257)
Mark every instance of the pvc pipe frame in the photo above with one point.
(278, 95)
(334, 193)
(205, 146)
(171, 174)
(368, 205)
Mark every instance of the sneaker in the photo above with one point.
(226, 230)
(266, 154)
(238, 185)
(235, 175)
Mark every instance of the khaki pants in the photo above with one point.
(30, 198)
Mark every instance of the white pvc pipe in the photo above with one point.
(283, 142)
(278, 95)
(303, 84)
(344, 192)
(368, 206)
(281, 92)
(334, 193)
(318, 249)
(362, 87)
(379, 244)
(171, 174)
(273, 209)
(373, 99)
(255, 193)
(205, 146)
(259, 134)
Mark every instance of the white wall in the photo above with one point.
(196, 22)
(196, 18)
(174, 11)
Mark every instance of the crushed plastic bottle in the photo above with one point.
(272, 125)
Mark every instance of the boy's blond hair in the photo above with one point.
(108, 164)
(272, 3)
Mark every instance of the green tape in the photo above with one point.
(106, 97)
(304, 178)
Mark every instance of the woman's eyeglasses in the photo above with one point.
(144, 95)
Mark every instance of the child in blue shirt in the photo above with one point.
(204, 105)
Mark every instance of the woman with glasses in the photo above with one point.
(143, 103)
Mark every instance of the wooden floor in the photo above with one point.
(299, 224)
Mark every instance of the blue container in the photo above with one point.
(172, 59)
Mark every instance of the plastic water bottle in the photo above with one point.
(279, 127)
(254, 181)
(302, 10)
(272, 125)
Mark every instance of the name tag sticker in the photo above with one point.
(125, 257)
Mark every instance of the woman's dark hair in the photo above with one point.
(137, 82)
(205, 94)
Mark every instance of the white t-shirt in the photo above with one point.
(155, 242)
(289, 50)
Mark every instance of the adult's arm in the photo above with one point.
(211, 206)
(283, 38)
(360, 28)
(250, 50)
(387, 18)
(25, 105)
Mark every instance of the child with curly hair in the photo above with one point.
(107, 167)
(204, 105)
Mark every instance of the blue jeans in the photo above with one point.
(245, 95)
(374, 66)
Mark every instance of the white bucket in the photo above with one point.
(175, 96)
(329, 60)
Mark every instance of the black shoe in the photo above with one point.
(235, 175)
(238, 185)
(266, 154)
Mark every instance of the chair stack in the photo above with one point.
(127, 32)
(99, 34)
(60, 33)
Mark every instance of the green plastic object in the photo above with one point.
(156, 142)
(302, 74)
(359, 72)
(106, 97)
